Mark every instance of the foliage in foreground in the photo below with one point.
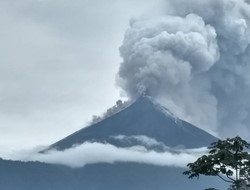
(227, 159)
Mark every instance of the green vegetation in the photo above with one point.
(227, 159)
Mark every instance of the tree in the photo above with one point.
(227, 159)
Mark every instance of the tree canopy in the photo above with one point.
(227, 159)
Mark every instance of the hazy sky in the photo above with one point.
(59, 61)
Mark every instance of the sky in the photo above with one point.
(59, 61)
(64, 61)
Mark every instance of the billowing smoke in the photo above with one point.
(120, 105)
(195, 59)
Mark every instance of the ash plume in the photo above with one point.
(194, 59)
(119, 106)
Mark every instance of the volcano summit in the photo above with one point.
(142, 119)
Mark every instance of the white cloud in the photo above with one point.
(93, 152)
(147, 141)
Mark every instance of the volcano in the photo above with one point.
(143, 118)
(144, 123)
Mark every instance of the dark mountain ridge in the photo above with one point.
(144, 117)
(16, 175)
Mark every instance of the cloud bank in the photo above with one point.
(194, 59)
(144, 151)
(91, 153)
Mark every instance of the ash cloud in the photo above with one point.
(119, 106)
(194, 59)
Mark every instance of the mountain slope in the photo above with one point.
(145, 118)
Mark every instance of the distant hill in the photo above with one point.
(16, 175)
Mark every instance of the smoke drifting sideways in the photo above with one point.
(195, 60)
(119, 106)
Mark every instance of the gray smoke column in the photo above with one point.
(195, 59)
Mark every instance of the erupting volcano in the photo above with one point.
(144, 118)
